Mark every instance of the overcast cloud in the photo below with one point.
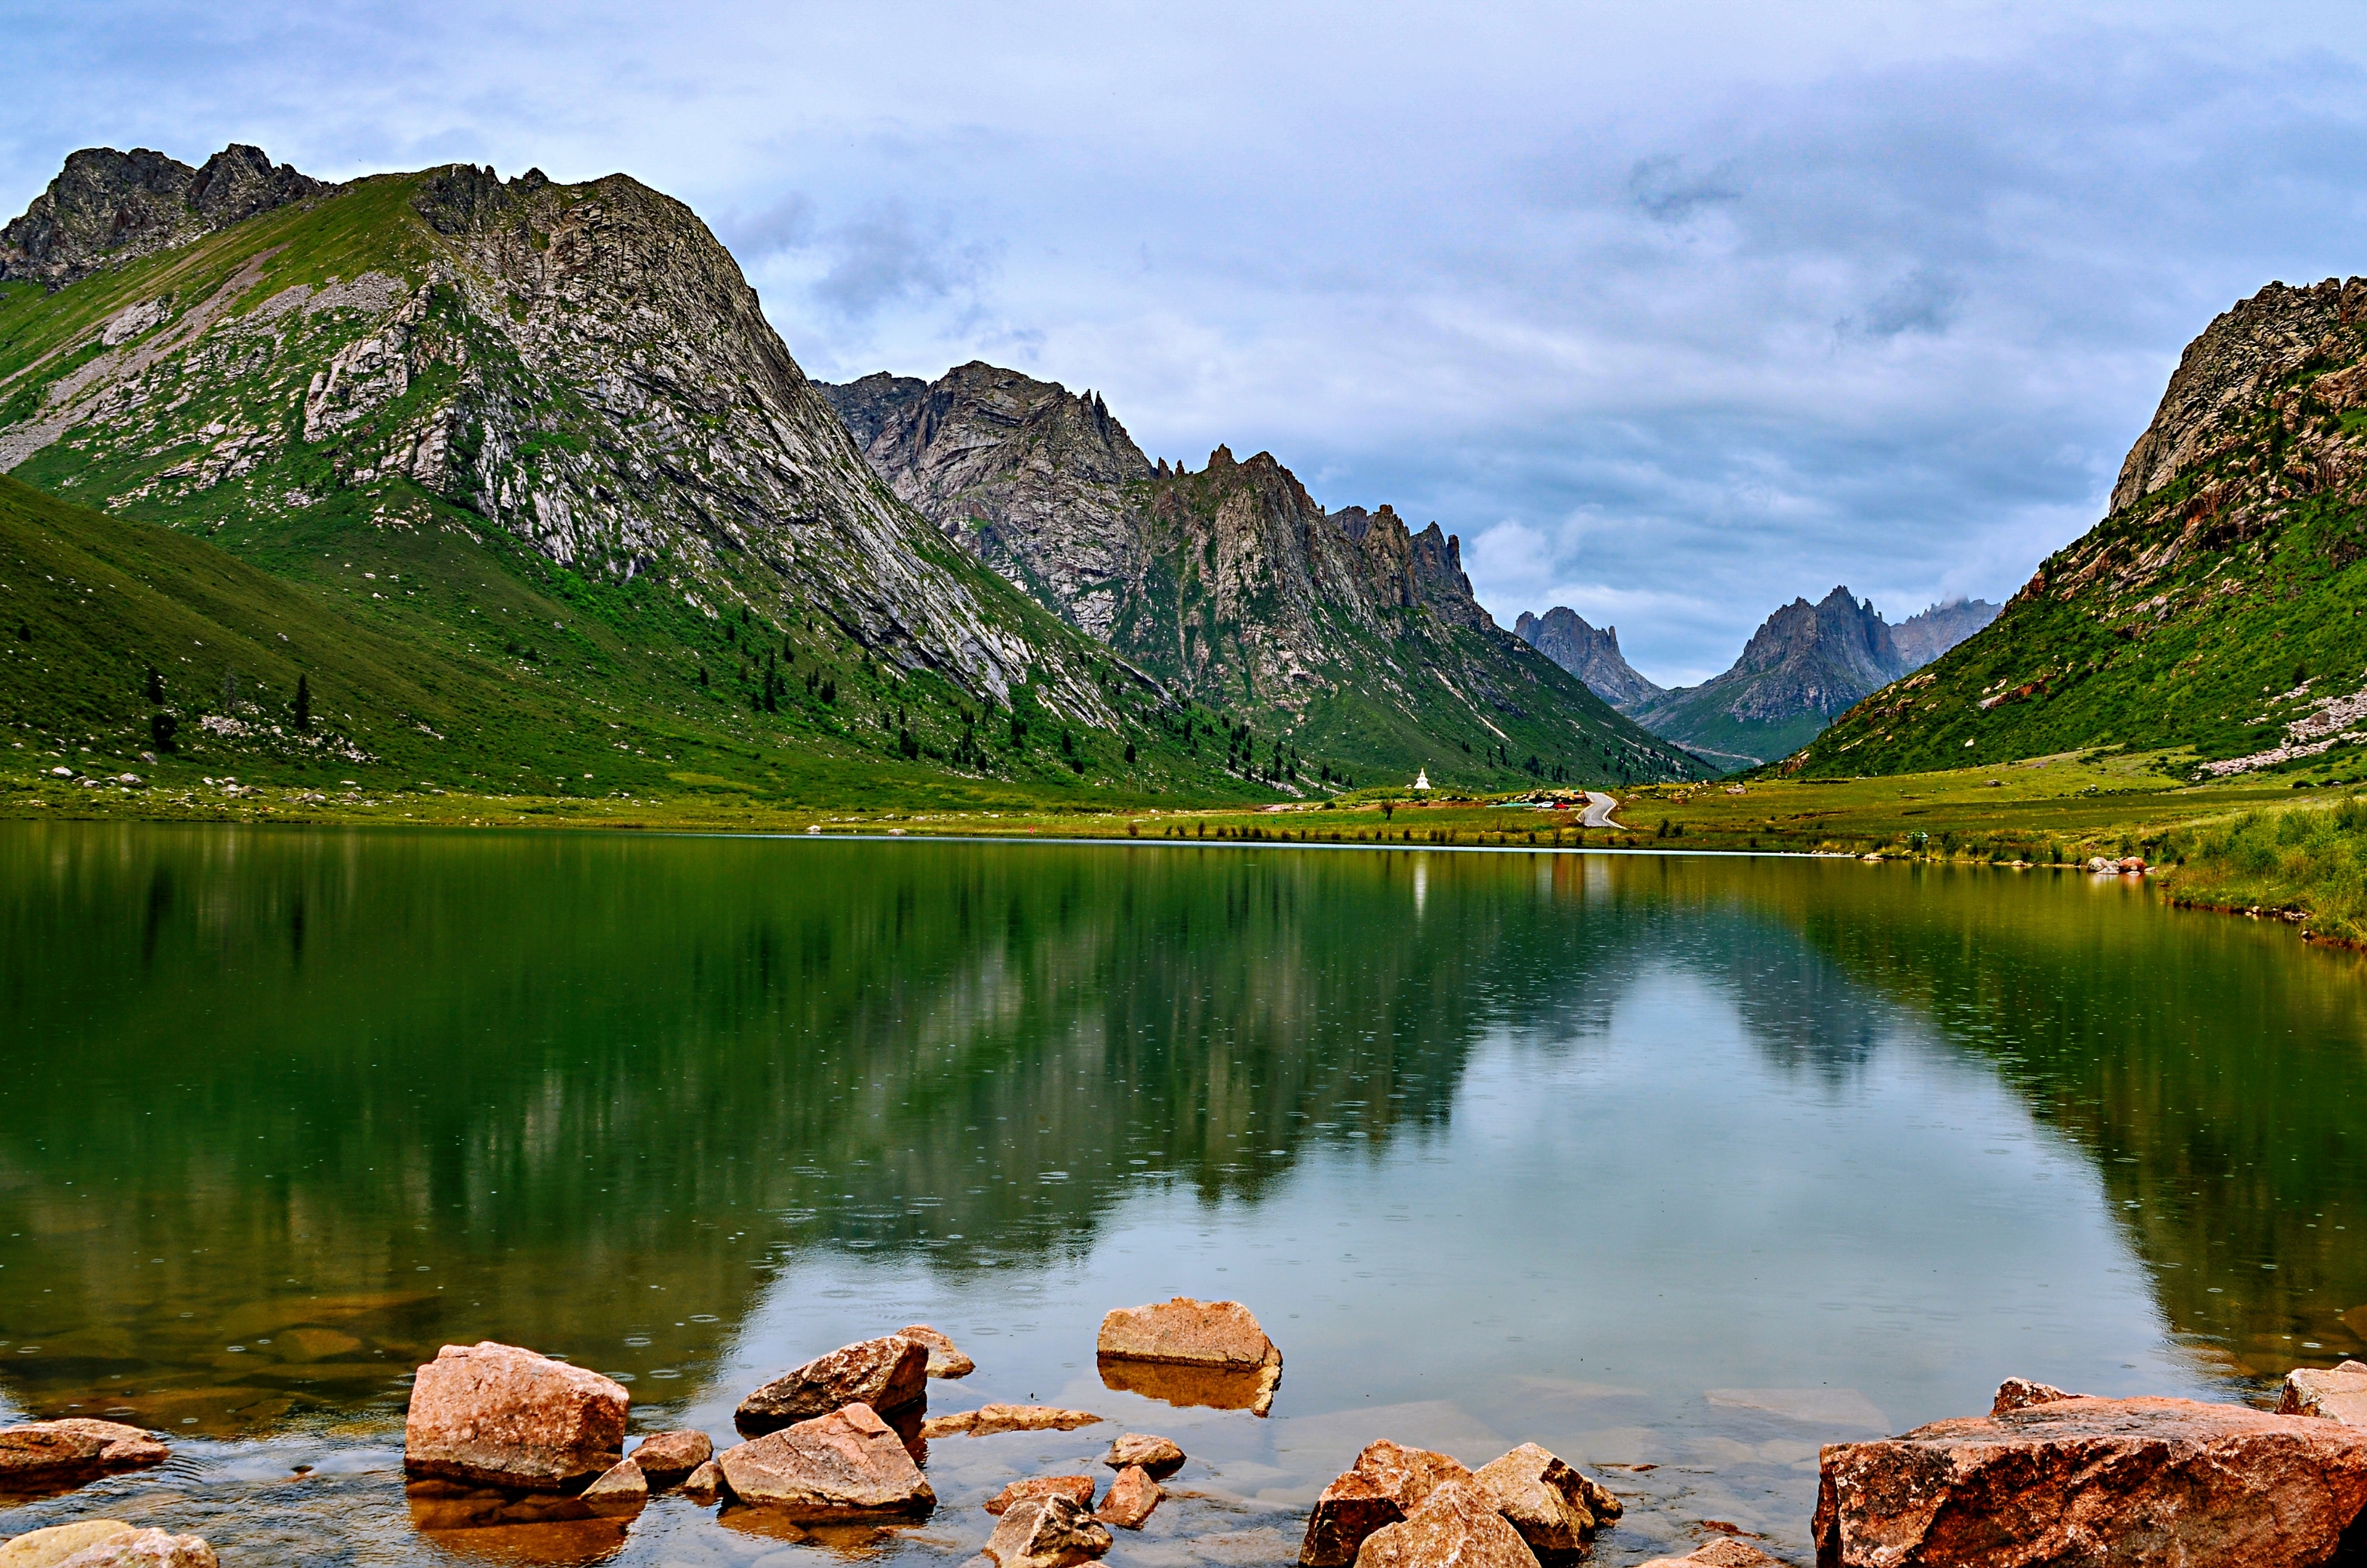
(1672, 311)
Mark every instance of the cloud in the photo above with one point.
(1669, 193)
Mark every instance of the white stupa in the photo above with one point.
(1421, 778)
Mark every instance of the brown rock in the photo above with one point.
(2095, 1482)
(666, 1456)
(1046, 1532)
(2337, 1395)
(1553, 1506)
(144, 1548)
(1727, 1553)
(2020, 1393)
(621, 1489)
(846, 1465)
(1387, 1482)
(944, 1360)
(1219, 1336)
(1172, 1384)
(989, 1419)
(704, 1484)
(47, 1548)
(1453, 1527)
(1131, 1497)
(886, 1374)
(1157, 1455)
(1077, 1488)
(42, 1451)
(499, 1415)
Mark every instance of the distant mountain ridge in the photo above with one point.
(1562, 635)
(1926, 635)
(1346, 630)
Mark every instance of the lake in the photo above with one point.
(1679, 1166)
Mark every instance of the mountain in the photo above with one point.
(1563, 636)
(555, 410)
(2214, 610)
(1805, 663)
(1343, 632)
(1925, 635)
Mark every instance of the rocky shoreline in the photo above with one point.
(497, 1436)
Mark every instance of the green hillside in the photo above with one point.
(2215, 611)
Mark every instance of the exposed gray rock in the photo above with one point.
(106, 207)
(1562, 635)
(1926, 635)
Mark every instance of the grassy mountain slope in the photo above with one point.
(540, 437)
(2216, 609)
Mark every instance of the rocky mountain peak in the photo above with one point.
(1840, 632)
(107, 208)
(1562, 635)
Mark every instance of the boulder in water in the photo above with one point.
(666, 1456)
(847, 1465)
(621, 1489)
(885, 1374)
(1078, 1489)
(47, 1548)
(140, 1549)
(1454, 1527)
(497, 1415)
(990, 1420)
(1158, 1455)
(945, 1360)
(1387, 1482)
(2337, 1395)
(40, 1452)
(1046, 1532)
(1554, 1508)
(1220, 1338)
(2082, 1480)
(1131, 1497)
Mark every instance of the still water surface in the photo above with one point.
(1679, 1166)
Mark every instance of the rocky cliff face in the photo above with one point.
(1926, 635)
(1350, 630)
(107, 208)
(1562, 635)
(2213, 612)
(581, 368)
(1805, 663)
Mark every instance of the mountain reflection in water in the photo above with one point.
(287, 1109)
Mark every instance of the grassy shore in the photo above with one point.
(2262, 844)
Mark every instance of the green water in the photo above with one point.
(1686, 1163)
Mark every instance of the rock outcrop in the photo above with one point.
(849, 1464)
(946, 1359)
(41, 1452)
(1235, 1366)
(107, 208)
(1131, 1499)
(1232, 583)
(2095, 1480)
(1562, 635)
(2339, 1394)
(496, 1415)
(1387, 1482)
(888, 1374)
(1046, 1532)
(1554, 1508)
(1454, 1527)
(1078, 1489)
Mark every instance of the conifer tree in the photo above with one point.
(303, 702)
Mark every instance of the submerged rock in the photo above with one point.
(666, 1456)
(989, 1421)
(1131, 1497)
(1387, 1482)
(1554, 1508)
(143, 1548)
(846, 1465)
(704, 1484)
(47, 1548)
(43, 1452)
(1727, 1553)
(621, 1489)
(2337, 1395)
(945, 1360)
(1046, 1532)
(1454, 1527)
(2101, 1480)
(2020, 1393)
(885, 1374)
(1157, 1455)
(1218, 1337)
(499, 1415)
(1078, 1489)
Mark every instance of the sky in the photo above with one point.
(1671, 311)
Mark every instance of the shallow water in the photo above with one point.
(1685, 1163)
